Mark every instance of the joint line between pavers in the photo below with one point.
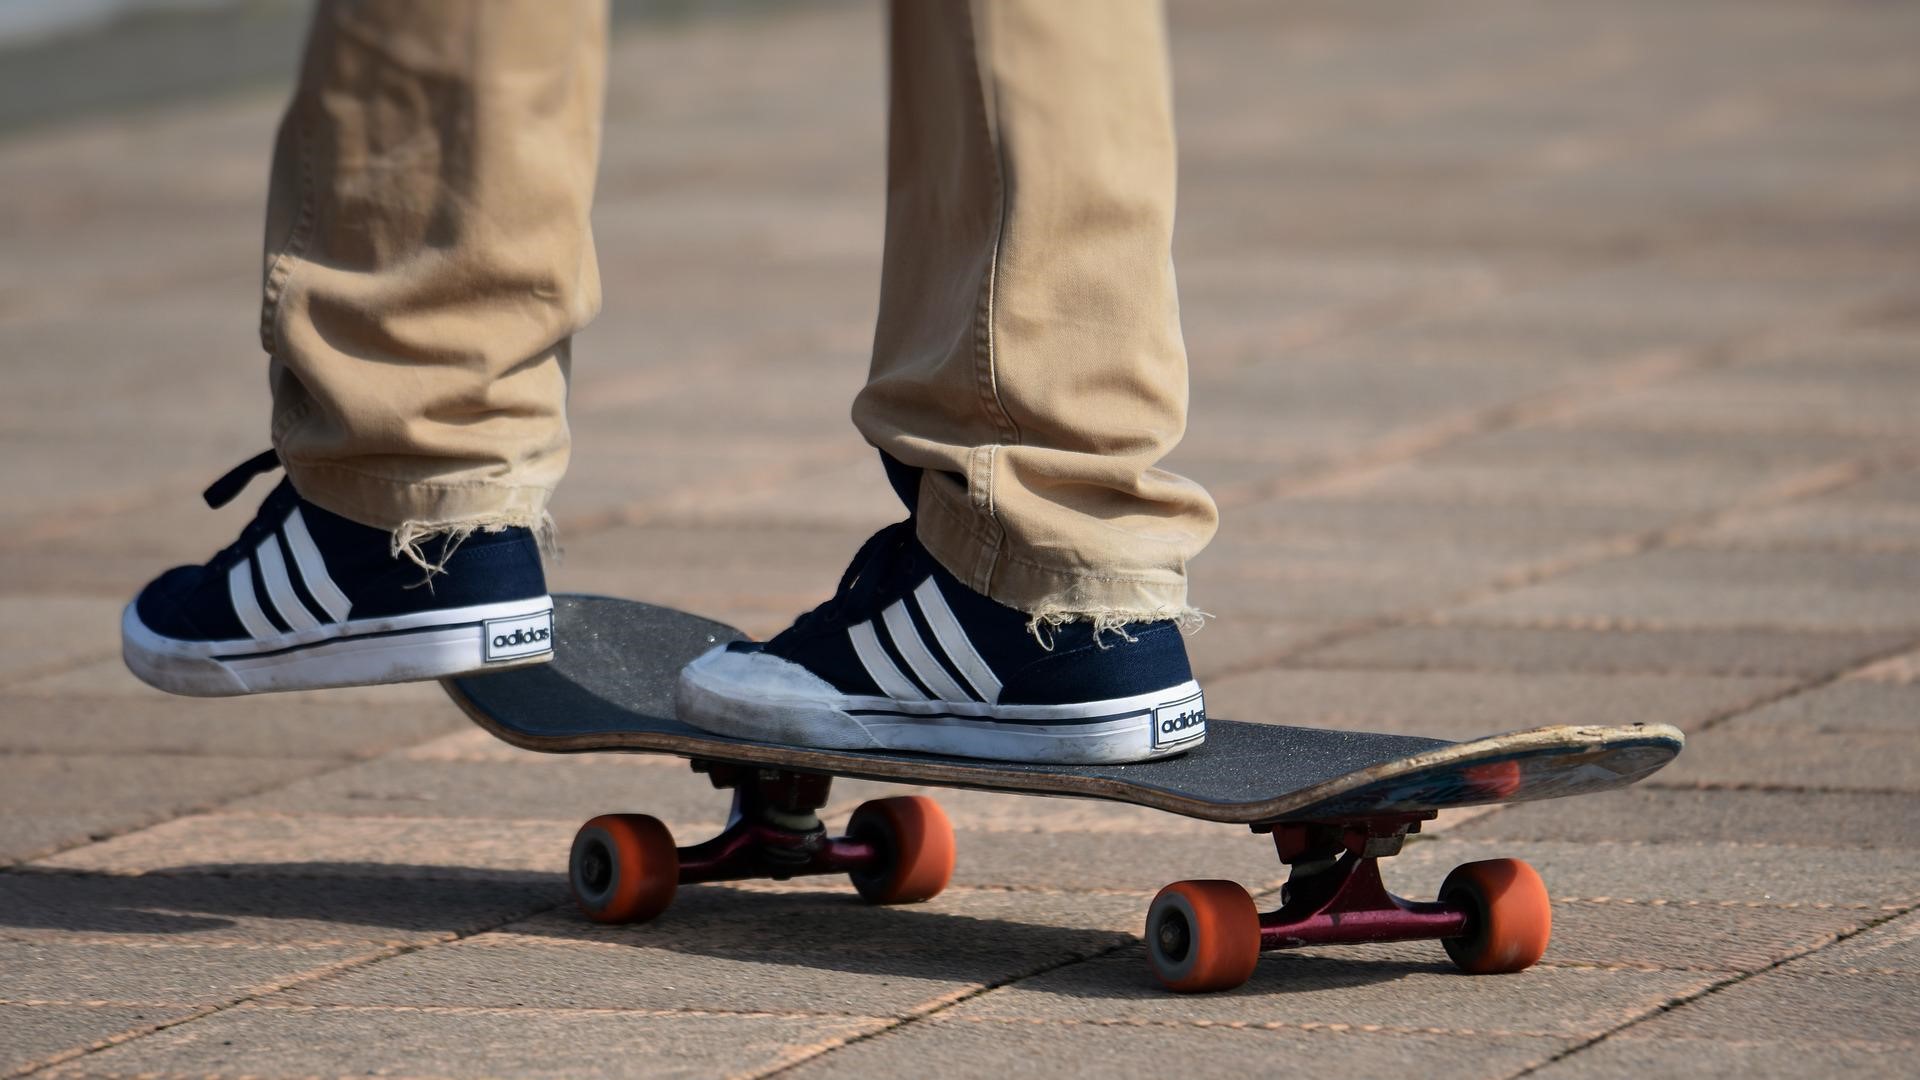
(1809, 483)
(1683, 1000)
(254, 994)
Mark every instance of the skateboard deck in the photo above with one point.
(610, 687)
(1334, 803)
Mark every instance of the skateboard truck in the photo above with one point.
(774, 831)
(1334, 893)
(626, 867)
(1492, 916)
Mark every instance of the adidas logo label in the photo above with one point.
(525, 635)
(1179, 721)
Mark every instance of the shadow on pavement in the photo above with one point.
(825, 930)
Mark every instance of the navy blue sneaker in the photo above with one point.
(904, 657)
(307, 599)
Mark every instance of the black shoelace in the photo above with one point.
(222, 491)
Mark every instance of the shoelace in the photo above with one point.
(222, 491)
(878, 562)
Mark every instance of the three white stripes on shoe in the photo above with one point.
(300, 636)
(280, 591)
(981, 685)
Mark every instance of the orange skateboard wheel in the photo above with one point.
(1203, 935)
(1509, 916)
(915, 841)
(624, 868)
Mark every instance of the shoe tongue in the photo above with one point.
(880, 561)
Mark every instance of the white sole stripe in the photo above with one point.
(955, 643)
(880, 666)
(273, 571)
(906, 638)
(245, 604)
(280, 641)
(313, 568)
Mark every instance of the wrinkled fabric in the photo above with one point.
(428, 260)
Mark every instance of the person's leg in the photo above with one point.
(427, 261)
(1028, 374)
(428, 257)
(1028, 355)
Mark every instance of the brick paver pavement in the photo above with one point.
(1550, 362)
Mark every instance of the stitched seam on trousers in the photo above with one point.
(992, 536)
(280, 274)
(974, 530)
(985, 346)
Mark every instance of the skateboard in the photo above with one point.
(1334, 803)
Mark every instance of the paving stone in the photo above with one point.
(109, 679)
(1416, 991)
(53, 800)
(1790, 757)
(532, 850)
(1680, 873)
(1655, 814)
(837, 496)
(991, 812)
(136, 786)
(1883, 511)
(1463, 705)
(1646, 936)
(1862, 706)
(531, 1043)
(762, 918)
(472, 744)
(318, 846)
(1686, 472)
(1800, 399)
(1113, 860)
(32, 1034)
(1904, 668)
(41, 632)
(694, 481)
(702, 802)
(219, 909)
(27, 836)
(1727, 1059)
(733, 949)
(1341, 592)
(1429, 528)
(121, 973)
(705, 568)
(992, 1048)
(1802, 590)
(228, 727)
(1691, 938)
(1892, 948)
(1794, 1008)
(547, 787)
(1243, 641)
(1468, 646)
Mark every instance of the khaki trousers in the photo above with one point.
(428, 259)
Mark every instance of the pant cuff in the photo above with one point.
(977, 552)
(416, 512)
